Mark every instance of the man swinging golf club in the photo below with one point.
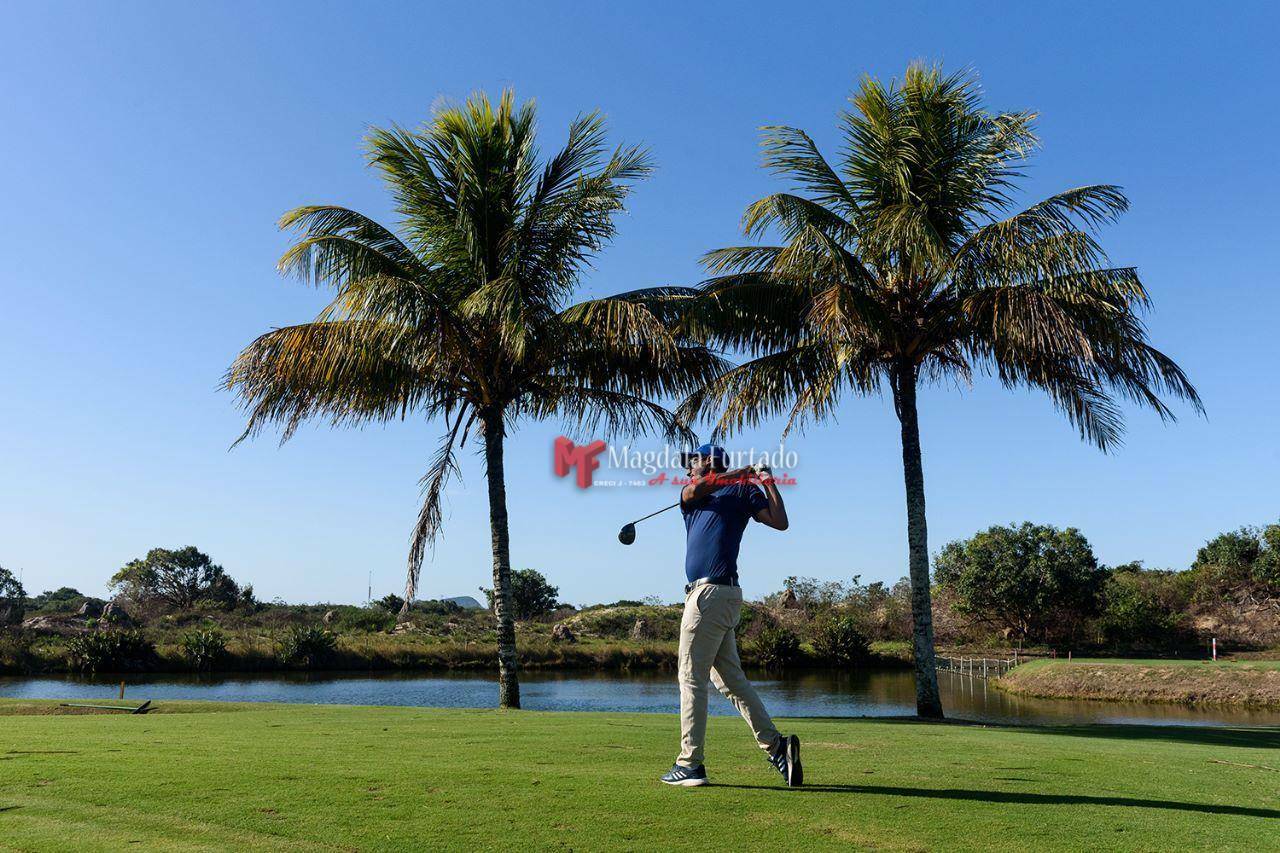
(717, 505)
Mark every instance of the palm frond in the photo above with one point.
(344, 372)
(802, 381)
(430, 516)
(601, 412)
(339, 244)
(791, 153)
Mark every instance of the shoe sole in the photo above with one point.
(685, 783)
(795, 771)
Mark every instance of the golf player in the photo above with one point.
(717, 504)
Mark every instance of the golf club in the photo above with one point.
(627, 534)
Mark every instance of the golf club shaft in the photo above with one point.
(652, 514)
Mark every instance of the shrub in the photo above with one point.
(109, 651)
(812, 595)
(437, 607)
(64, 599)
(1144, 609)
(1243, 561)
(750, 620)
(616, 623)
(1034, 579)
(16, 650)
(390, 603)
(12, 598)
(306, 647)
(204, 648)
(838, 640)
(364, 620)
(531, 594)
(776, 647)
(177, 579)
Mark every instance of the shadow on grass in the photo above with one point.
(1018, 798)
(1262, 737)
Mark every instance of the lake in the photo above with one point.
(807, 694)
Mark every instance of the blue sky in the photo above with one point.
(150, 147)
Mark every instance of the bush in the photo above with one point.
(616, 623)
(109, 651)
(307, 647)
(531, 594)
(437, 607)
(776, 647)
(1036, 580)
(1144, 609)
(837, 640)
(364, 620)
(753, 615)
(64, 599)
(390, 603)
(12, 598)
(16, 650)
(204, 648)
(178, 579)
(1243, 561)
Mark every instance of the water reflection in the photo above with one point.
(809, 694)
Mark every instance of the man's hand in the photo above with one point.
(775, 513)
(704, 481)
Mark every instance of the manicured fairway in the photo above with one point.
(334, 777)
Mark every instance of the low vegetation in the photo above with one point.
(270, 778)
(109, 651)
(1032, 587)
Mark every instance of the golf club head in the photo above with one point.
(627, 534)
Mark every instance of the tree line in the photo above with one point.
(1035, 583)
(1034, 586)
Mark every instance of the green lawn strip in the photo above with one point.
(1235, 683)
(1159, 662)
(55, 707)
(397, 778)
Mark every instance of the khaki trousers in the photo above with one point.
(709, 650)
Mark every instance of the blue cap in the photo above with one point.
(715, 451)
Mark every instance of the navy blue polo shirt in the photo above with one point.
(714, 525)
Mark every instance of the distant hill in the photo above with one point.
(466, 601)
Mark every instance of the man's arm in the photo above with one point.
(774, 514)
(704, 484)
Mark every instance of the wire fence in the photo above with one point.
(977, 667)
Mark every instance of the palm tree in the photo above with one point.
(902, 264)
(461, 313)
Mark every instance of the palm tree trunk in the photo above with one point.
(928, 702)
(503, 606)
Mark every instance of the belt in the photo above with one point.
(731, 580)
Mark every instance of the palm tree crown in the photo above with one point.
(462, 312)
(903, 262)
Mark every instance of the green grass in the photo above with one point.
(334, 777)
(1253, 683)
(1228, 664)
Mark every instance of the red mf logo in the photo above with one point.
(564, 455)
